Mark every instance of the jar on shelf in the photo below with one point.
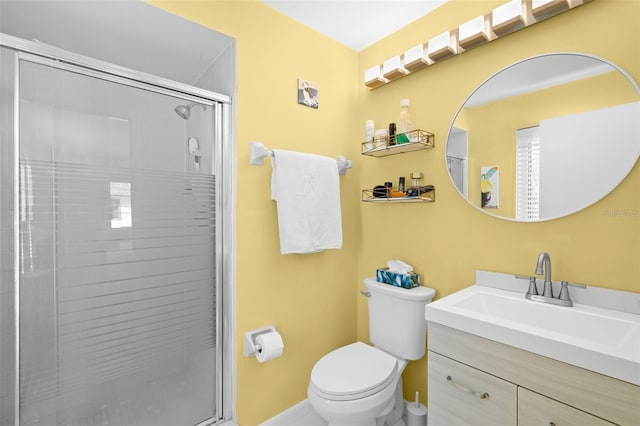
(381, 138)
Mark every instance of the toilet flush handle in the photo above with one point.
(365, 293)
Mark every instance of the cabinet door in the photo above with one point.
(462, 395)
(537, 410)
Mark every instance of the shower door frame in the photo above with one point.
(223, 167)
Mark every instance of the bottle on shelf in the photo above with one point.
(369, 135)
(416, 176)
(405, 124)
(392, 134)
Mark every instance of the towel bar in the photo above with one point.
(258, 152)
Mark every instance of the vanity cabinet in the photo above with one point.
(527, 389)
(537, 410)
(468, 396)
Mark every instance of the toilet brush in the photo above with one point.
(416, 413)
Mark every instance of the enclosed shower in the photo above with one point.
(112, 253)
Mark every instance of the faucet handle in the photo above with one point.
(533, 288)
(564, 291)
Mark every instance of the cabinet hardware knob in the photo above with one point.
(483, 395)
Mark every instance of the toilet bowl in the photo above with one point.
(361, 385)
(354, 385)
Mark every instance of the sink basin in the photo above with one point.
(591, 326)
(601, 340)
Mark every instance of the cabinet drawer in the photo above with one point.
(462, 395)
(537, 410)
(603, 396)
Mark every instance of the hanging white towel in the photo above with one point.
(306, 188)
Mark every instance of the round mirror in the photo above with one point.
(545, 137)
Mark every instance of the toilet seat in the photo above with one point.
(352, 372)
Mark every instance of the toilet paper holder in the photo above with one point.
(250, 346)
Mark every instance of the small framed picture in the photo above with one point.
(307, 93)
(489, 187)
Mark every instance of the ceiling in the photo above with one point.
(112, 31)
(355, 23)
(132, 34)
(139, 36)
(536, 74)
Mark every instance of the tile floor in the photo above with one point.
(303, 415)
(300, 415)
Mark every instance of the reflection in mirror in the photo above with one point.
(558, 132)
(120, 204)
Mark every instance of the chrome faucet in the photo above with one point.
(545, 260)
(543, 266)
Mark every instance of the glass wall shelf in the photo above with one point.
(415, 140)
(428, 196)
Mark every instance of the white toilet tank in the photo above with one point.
(397, 321)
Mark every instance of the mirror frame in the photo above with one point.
(451, 127)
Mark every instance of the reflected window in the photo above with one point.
(120, 204)
(528, 173)
(26, 193)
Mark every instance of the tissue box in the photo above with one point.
(409, 280)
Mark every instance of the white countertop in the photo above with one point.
(602, 340)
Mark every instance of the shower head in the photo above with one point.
(184, 111)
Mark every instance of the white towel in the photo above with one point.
(306, 188)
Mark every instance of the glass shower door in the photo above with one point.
(117, 249)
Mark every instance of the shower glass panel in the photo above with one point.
(7, 246)
(117, 237)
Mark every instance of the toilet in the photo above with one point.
(361, 385)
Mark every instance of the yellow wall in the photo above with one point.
(310, 298)
(313, 299)
(447, 241)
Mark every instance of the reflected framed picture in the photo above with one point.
(307, 93)
(489, 187)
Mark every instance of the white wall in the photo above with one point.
(584, 156)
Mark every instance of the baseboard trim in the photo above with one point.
(290, 415)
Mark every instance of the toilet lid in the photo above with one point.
(353, 371)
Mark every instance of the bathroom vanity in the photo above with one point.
(477, 381)
(501, 353)
(483, 376)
